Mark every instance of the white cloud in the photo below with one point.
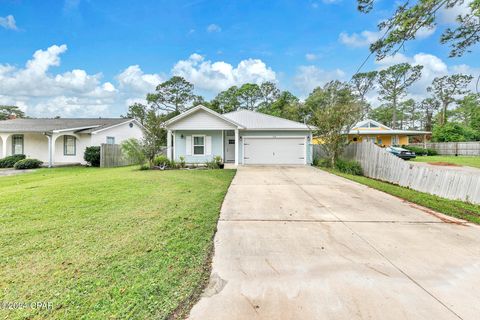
(311, 56)
(216, 76)
(133, 80)
(449, 15)
(8, 22)
(214, 28)
(308, 78)
(365, 38)
(433, 67)
(424, 32)
(73, 92)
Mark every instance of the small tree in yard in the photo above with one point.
(334, 110)
(134, 151)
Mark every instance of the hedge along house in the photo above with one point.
(63, 141)
(240, 137)
(371, 130)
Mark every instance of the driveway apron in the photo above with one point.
(300, 243)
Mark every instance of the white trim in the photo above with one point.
(237, 140)
(243, 150)
(197, 108)
(277, 129)
(305, 150)
(169, 145)
(74, 129)
(174, 146)
(204, 145)
(223, 146)
(273, 137)
(119, 124)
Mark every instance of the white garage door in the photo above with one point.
(277, 150)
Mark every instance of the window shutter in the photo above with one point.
(188, 144)
(208, 145)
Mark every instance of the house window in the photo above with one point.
(231, 141)
(394, 140)
(17, 144)
(198, 145)
(110, 140)
(69, 145)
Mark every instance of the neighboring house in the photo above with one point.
(63, 141)
(371, 130)
(239, 137)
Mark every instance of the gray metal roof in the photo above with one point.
(48, 125)
(260, 121)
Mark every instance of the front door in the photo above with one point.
(229, 148)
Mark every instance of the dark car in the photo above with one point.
(401, 153)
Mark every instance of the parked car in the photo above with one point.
(401, 153)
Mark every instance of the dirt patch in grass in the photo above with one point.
(448, 164)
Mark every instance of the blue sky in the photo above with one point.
(96, 57)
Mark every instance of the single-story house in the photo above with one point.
(239, 137)
(371, 130)
(63, 141)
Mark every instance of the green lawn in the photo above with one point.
(106, 243)
(454, 208)
(460, 160)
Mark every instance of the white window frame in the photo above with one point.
(65, 146)
(110, 138)
(22, 138)
(199, 145)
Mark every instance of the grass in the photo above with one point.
(460, 160)
(106, 243)
(453, 208)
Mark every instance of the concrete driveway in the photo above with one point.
(299, 243)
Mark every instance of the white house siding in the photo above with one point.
(120, 133)
(276, 133)
(181, 145)
(34, 146)
(201, 120)
(81, 142)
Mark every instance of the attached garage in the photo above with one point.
(274, 150)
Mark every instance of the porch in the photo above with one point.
(53, 149)
(200, 146)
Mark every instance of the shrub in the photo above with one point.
(161, 161)
(27, 164)
(212, 164)
(9, 162)
(182, 161)
(421, 151)
(92, 156)
(134, 151)
(349, 167)
(324, 163)
(144, 167)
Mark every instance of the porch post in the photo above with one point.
(236, 147)
(4, 145)
(50, 161)
(424, 141)
(169, 144)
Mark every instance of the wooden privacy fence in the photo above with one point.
(471, 148)
(111, 156)
(451, 183)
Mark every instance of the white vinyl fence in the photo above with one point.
(471, 148)
(450, 183)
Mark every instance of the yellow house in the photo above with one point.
(371, 130)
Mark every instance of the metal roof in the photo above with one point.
(259, 121)
(84, 125)
(391, 131)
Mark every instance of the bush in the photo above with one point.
(161, 161)
(182, 161)
(212, 164)
(453, 132)
(92, 156)
(421, 151)
(27, 164)
(9, 162)
(349, 167)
